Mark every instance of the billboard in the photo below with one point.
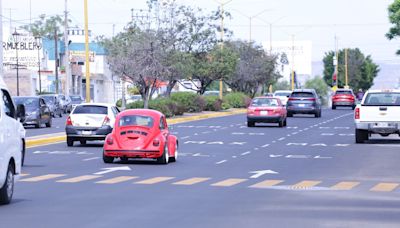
(27, 48)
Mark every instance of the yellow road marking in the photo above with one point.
(192, 181)
(116, 180)
(384, 187)
(345, 185)
(42, 178)
(306, 184)
(229, 182)
(154, 180)
(266, 184)
(79, 179)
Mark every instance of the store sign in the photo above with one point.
(28, 49)
(79, 56)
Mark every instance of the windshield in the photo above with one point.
(90, 109)
(383, 99)
(262, 102)
(282, 94)
(302, 94)
(136, 120)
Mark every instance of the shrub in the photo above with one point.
(162, 106)
(225, 106)
(136, 104)
(236, 100)
(212, 103)
(188, 101)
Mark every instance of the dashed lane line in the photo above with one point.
(79, 179)
(155, 180)
(42, 177)
(384, 187)
(116, 180)
(229, 182)
(192, 181)
(345, 185)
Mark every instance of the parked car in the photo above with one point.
(54, 104)
(63, 102)
(90, 121)
(75, 100)
(283, 95)
(304, 101)
(266, 110)
(141, 133)
(37, 112)
(344, 97)
(12, 133)
(378, 113)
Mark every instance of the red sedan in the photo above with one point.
(140, 133)
(266, 110)
(344, 97)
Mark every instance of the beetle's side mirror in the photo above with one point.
(21, 112)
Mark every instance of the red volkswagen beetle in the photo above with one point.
(266, 110)
(140, 133)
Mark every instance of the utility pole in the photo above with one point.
(56, 57)
(336, 62)
(66, 57)
(292, 63)
(346, 71)
(87, 52)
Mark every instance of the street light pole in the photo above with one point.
(38, 52)
(87, 52)
(16, 35)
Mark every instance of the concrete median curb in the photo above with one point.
(48, 139)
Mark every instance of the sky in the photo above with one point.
(356, 23)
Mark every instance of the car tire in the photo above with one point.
(124, 159)
(107, 159)
(83, 142)
(361, 135)
(70, 142)
(285, 122)
(333, 107)
(281, 124)
(7, 190)
(250, 124)
(49, 122)
(175, 157)
(164, 159)
(23, 153)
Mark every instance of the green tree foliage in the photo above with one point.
(46, 27)
(320, 86)
(281, 85)
(361, 70)
(394, 18)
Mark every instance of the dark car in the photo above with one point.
(344, 97)
(37, 112)
(304, 101)
(54, 104)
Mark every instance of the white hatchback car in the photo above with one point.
(283, 95)
(90, 121)
(12, 142)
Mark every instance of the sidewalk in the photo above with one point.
(41, 140)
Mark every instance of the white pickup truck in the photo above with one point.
(378, 113)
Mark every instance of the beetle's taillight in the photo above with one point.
(156, 142)
(357, 114)
(110, 140)
(69, 121)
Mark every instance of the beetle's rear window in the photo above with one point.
(90, 109)
(136, 120)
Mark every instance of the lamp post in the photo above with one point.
(37, 38)
(16, 37)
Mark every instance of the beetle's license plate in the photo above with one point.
(86, 132)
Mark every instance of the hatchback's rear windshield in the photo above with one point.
(136, 120)
(344, 92)
(384, 99)
(302, 94)
(90, 109)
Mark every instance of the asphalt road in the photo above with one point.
(58, 125)
(315, 176)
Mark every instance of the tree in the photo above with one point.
(361, 70)
(320, 87)
(394, 18)
(281, 85)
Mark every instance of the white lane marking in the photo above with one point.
(238, 133)
(283, 138)
(342, 145)
(295, 133)
(237, 143)
(320, 157)
(206, 132)
(216, 143)
(89, 159)
(266, 145)
(288, 135)
(275, 156)
(297, 156)
(346, 134)
(245, 153)
(342, 127)
(324, 127)
(185, 137)
(113, 169)
(195, 142)
(260, 173)
(274, 141)
(199, 155)
(327, 134)
(319, 144)
(296, 144)
(220, 162)
(234, 156)
(256, 148)
(306, 129)
(256, 133)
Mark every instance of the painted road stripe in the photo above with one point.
(229, 182)
(154, 180)
(266, 145)
(246, 153)
(384, 187)
(345, 185)
(306, 184)
(89, 159)
(192, 181)
(24, 174)
(220, 162)
(42, 178)
(116, 180)
(266, 184)
(79, 179)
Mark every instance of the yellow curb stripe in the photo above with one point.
(204, 116)
(48, 140)
(306, 184)
(384, 187)
(229, 182)
(42, 178)
(79, 179)
(192, 181)
(266, 184)
(154, 180)
(116, 180)
(345, 185)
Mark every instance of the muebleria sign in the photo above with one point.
(28, 50)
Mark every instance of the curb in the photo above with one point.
(30, 143)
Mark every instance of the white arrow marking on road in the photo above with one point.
(112, 169)
(275, 156)
(260, 173)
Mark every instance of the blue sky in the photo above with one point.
(357, 23)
